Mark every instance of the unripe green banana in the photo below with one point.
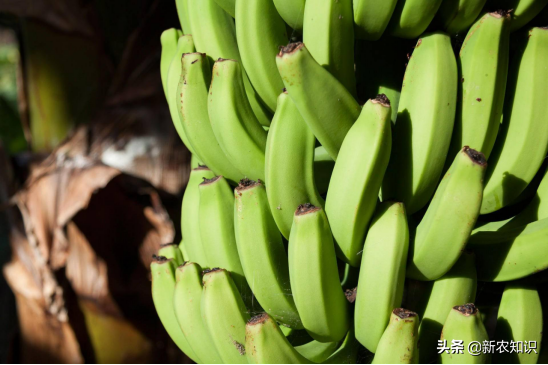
(238, 132)
(445, 228)
(483, 66)
(182, 13)
(265, 343)
(382, 273)
(523, 11)
(317, 351)
(457, 286)
(347, 353)
(522, 142)
(519, 319)
(253, 18)
(192, 101)
(163, 287)
(327, 107)
(323, 167)
(422, 133)
(216, 222)
(224, 315)
(372, 17)
(171, 251)
(456, 16)
(292, 12)
(195, 161)
(464, 324)
(511, 254)
(169, 40)
(182, 248)
(216, 36)
(289, 168)
(314, 276)
(184, 45)
(262, 253)
(190, 223)
(357, 178)
(411, 17)
(228, 5)
(187, 302)
(398, 344)
(328, 33)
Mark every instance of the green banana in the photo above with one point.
(292, 12)
(382, 273)
(190, 223)
(314, 276)
(171, 251)
(511, 254)
(228, 5)
(357, 178)
(398, 344)
(257, 52)
(262, 253)
(457, 286)
(519, 319)
(411, 17)
(289, 167)
(224, 315)
(185, 45)
(194, 161)
(238, 132)
(327, 107)
(523, 11)
(323, 168)
(216, 224)
(328, 33)
(464, 324)
(187, 301)
(192, 100)
(444, 230)
(317, 351)
(182, 13)
(456, 16)
(265, 343)
(169, 40)
(183, 250)
(163, 286)
(422, 133)
(347, 353)
(216, 36)
(372, 17)
(483, 66)
(522, 142)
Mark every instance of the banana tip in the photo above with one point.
(258, 319)
(210, 181)
(247, 184)
(475, 156)
(469, 309)
(306, 209)
(404, 313)
(382, 99)
(290, 48)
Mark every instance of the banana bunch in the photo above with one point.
(359, 169)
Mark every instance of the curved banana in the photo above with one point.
(182, 13)
(398, 344)
(169, 40)
(171, 251)
(253, 18)
(289, 164)
(357, 178)
(519, 319)
(422, 133)
(187, 302)
(216, 223)
(347, 353)
(262, 253)
(464, 324)
(317, 351)
(456, 16)
(238, 132)
(292, 12)
(523, 11)
(327, 107)
(224, 315)
(163, 287)
(190, 223)
(483, 66)
(184, 45)
(382, 273)
(511, 254)
(522, 142)
(444, 230)
(192, 101)
(328, 33)
(265, 343)
(314, 277)
(411, 17)
(372, 17)
(323, 168)
(457, 286)
(228, 5)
